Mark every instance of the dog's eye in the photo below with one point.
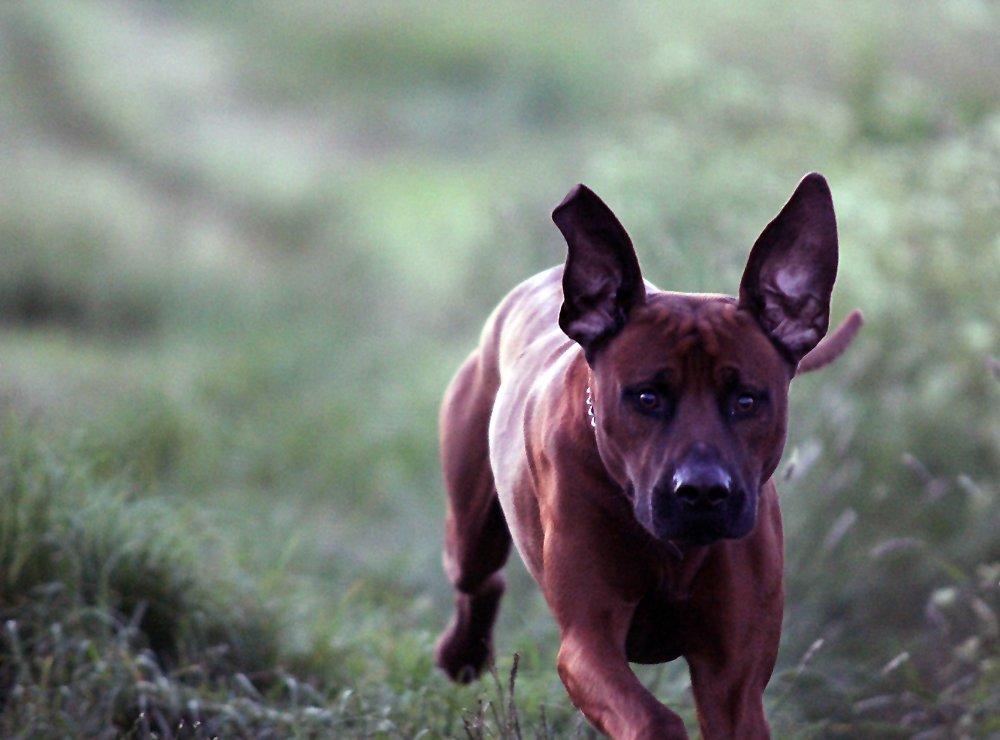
(744, 404)
(648, 400)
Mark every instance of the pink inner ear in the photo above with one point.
(793, 315)
(595, 305)
(590, 325)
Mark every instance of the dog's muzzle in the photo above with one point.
(700, 501)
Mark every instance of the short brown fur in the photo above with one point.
(634, 563)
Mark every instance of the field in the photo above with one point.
(243, 246)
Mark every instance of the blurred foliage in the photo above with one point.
(243, 246)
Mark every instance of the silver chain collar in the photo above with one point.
(590, 408)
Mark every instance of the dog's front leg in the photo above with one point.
(733, 641)
(730, 697)
(602, 686)
(593, 602)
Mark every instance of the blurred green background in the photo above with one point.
(243, 246)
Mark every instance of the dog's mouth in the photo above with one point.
(705, 530)
(667, 519)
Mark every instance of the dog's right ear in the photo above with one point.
(601, 281)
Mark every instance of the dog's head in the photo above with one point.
(690, 391)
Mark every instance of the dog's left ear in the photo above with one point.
(792, 266)
(601, 280)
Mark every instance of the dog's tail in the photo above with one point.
(834, 344)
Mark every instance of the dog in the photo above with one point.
(625, 439)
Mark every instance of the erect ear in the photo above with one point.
(601, 280)
(789, 275)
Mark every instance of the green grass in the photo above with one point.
(243, 247)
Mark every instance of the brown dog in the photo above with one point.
(625, 438)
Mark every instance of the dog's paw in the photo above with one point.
(461, 656)
(465, 648)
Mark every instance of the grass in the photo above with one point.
(244, 247)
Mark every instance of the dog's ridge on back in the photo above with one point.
(624, 439)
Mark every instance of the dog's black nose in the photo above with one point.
(702, 484)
